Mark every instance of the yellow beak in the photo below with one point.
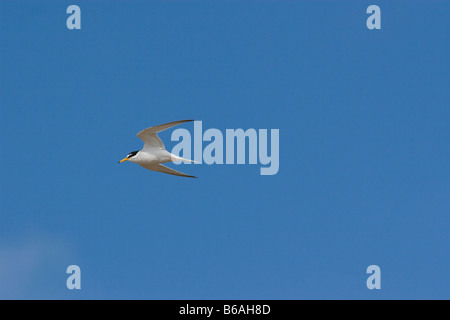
(124, 159)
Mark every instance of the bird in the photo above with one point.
(153, 154)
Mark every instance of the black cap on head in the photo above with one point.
(132, 154)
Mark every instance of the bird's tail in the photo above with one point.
(179, 159)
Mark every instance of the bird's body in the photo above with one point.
(153, 154)
(150, 157)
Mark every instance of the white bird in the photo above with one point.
(153, 153)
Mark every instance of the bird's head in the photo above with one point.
(129, 156)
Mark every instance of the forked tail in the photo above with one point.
(177, 158)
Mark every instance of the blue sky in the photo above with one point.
(364, 129)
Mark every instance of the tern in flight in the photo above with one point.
(153, 153)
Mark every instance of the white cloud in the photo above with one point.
(24, 264)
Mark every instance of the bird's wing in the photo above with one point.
(164, 169)
(150, 137)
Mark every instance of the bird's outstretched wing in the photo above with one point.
(150, 137)
(164, 169)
